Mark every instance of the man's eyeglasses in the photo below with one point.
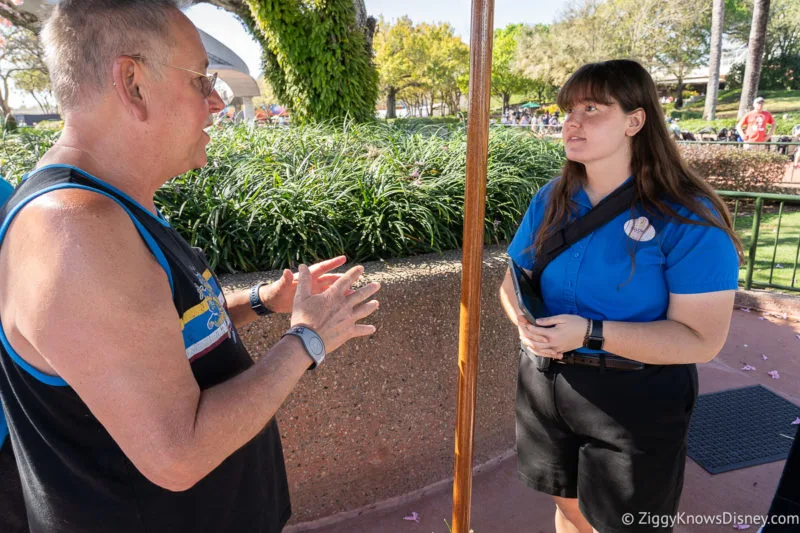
(207, 82)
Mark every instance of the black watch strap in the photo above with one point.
(594, 340)
(255, 301)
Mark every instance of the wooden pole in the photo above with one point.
(480, 77)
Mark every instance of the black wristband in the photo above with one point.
(595, 340)
(255, 301)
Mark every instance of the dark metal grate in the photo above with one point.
(741, 427)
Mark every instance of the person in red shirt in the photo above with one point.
(757, 125)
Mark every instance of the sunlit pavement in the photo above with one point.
(501, 504)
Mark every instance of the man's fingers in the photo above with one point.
(322, 267)
(325, 281)
(364, 310)
(348, 279)
(363, 330)
(363, 293)
(303, 282)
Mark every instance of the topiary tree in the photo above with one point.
(317, 54)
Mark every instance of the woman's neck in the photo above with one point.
(603, 177)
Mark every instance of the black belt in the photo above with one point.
(599, 360)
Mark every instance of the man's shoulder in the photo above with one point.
(73, 207)
(72, 222)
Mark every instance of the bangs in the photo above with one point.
(590, 83)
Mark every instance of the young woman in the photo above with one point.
(603, 430)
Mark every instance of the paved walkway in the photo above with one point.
(501, 504)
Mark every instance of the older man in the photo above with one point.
(132, 403)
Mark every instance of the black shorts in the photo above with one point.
(614, 439)
(13, 517)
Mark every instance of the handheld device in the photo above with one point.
(529, 303)
(531, 306)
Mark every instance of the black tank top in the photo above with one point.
(75, 477)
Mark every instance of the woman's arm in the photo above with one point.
(508, 300)
(694, 331)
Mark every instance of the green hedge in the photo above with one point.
(274, 197)
(732, 168)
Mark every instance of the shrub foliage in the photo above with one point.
(274, 197)
(316, 58)
(731, 168)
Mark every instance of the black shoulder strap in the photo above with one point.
(609, 208)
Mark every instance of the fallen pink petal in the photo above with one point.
(745, 309)
(774, 374)
(761, 318)
(764, 356)
(796, 421)
(741, 526)
(797, 337)
(413, 517)
(748, 368)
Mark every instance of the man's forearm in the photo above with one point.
(663, 342)
(230, 414)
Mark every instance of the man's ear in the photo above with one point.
(127, 80)
(636, 119)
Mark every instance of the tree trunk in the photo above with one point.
(391, 102)
(712, 89)
(5, 109)
(679, 94)
(755, 55)
(506, 101)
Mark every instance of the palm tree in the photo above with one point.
(755, 54)
(717, 16)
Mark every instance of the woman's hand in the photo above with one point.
(567, 333)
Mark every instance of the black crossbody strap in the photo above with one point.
(608, 209)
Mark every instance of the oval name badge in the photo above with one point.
(640, 229)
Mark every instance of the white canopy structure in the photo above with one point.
(233, 71)
(222, 60)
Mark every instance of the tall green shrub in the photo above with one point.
(316, 58)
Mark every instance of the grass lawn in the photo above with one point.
(785, 254)
(778, 103)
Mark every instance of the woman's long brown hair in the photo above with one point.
(660, 174)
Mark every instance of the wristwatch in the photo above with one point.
(311, 342)
(255, 301)
(594, 340)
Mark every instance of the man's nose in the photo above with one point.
(215, 103)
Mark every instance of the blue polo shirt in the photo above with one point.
(594, 277)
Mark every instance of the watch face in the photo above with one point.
(315, 346)
(595, 343)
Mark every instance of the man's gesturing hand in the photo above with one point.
(334, 312)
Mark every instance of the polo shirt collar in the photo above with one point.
(582, 199)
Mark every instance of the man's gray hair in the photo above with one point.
(82, 38)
